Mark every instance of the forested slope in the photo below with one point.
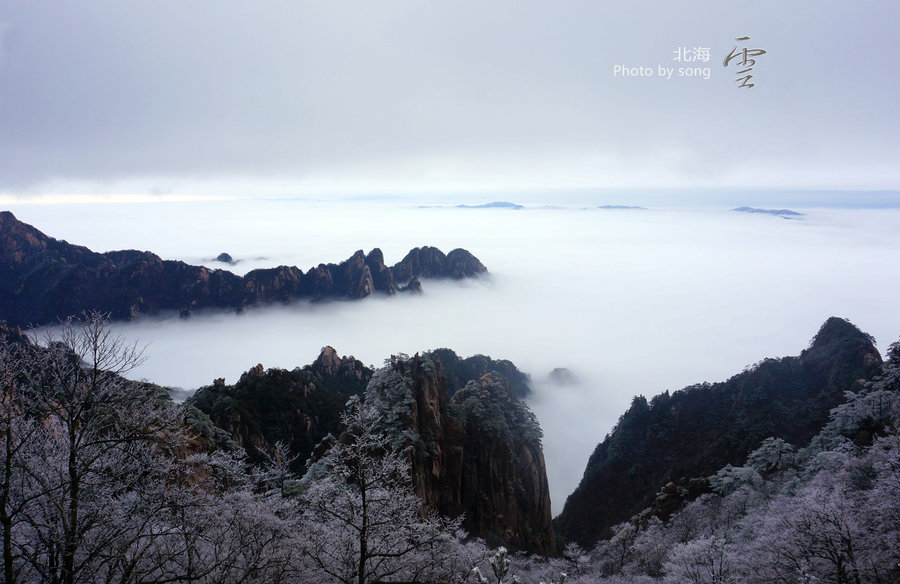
(697, 430)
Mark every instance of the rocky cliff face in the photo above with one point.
(298, 408)
(698, 430)
(459, 371)
(43, 279)
(477, 453)
(430, 262)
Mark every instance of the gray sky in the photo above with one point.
(228, 97)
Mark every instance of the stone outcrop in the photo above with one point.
(459, 371)
(477, 453)
(382, 276)
(414, 286)
(11, 334)
(430, 262)
(43, 279)
(297, 408)
(225, 258)
(674, 495)
(330, 363)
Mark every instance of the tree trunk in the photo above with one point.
(5, 519)
(363, 536)
(70, 543)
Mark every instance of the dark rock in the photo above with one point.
(562, 376)
(461, 264)
(786, 213)
(459, 371)
(430, 262)
(356, 277)
(11, 334)
(225, 258)
(281, 284)
(425, 262)
(43, 280)
(330, 363)
(414, 286)
(298, 408)
(503, 481)
(477, 454)
(257, 372)
(382, 276)
(673, 497)
(320, 282)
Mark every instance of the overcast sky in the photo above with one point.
(315, 98)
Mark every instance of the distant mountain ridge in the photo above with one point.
(786, 213)
(697, 430)
(44, 279)
(494, 205)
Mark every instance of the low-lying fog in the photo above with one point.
(631, 301)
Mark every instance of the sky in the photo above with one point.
(169, 99)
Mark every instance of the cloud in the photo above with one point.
(632, 302)
(344, 97)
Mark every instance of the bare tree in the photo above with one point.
(78, 439)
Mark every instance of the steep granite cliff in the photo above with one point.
(477, 453)
(43, 279)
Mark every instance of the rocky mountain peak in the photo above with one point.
(329, 361)
(477, 453)
(836, 330)
(43, 280)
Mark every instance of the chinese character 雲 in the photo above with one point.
(746, 62)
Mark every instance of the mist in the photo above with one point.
(630, 301)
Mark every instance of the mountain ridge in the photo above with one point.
(697, 430)
(43, 280)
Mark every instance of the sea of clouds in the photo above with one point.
(630, 301)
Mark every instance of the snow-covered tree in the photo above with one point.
(77, 437)
(705, 560)
(730, 478)
(500, 564)
(98, 483)
(774, 454)
(363, 523)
